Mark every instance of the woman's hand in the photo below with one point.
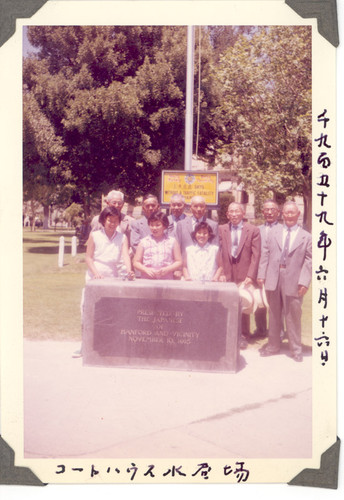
(97, 276)
(161, 272)
(150, 272)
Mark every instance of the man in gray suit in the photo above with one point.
(139, 227)
(177, 206)
(286, 270)
(271, 213)
(186, 227)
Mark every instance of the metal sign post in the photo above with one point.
(189, 98)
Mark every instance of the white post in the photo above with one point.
(61, 251)
(73, 246)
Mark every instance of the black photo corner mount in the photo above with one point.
(324, 10)
(326, 476)
(10, 10)
(10, 474)
(326, 13)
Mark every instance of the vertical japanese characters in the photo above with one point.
(323, 230)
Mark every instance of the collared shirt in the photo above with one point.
(268, 226)
(201, 261)
(177, 219)
(293, 232)
(238, 228)
(235, 236)
(196, 221)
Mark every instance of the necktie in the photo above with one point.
(285, 249)
(196, 221)
(235, 241)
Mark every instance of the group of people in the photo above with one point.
(275, 256)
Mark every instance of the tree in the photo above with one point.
(114, 96)
(73, 214)
(266, 111)
(42, 152)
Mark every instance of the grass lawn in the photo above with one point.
(52, 294)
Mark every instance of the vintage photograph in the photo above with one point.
(176, 286)
(174, 312)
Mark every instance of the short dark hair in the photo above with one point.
(108, 211)
(159, 217)
(203, 225)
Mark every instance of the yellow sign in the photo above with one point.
(189, 184)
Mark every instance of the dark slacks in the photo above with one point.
(245, 324)
(261, 320)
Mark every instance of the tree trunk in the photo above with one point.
(307, 213)
(46, 217)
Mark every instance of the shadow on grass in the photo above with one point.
(33, 240)
(48, 250)
(55, 251)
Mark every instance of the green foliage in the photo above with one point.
(114, 97)
(266, 110)
(73, 214)
(104, 108)
(224, 200)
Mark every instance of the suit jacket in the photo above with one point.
(298, 264)
(248, 254)
(184, 230)
(139, 229)
(264, 233)
(171, 230)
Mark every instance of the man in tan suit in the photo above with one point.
(286, 270)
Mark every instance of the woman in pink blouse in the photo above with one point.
(158, 255)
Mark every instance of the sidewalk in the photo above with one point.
(70, 410)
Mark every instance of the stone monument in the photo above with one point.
(175, 325)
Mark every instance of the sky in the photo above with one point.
(27, 47)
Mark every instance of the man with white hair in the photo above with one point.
(115, 199)
(285, 269)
